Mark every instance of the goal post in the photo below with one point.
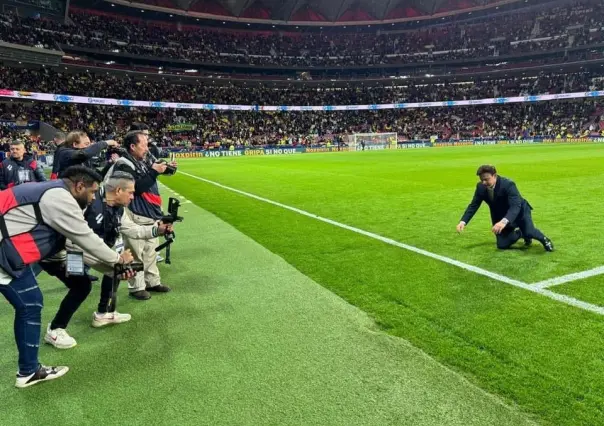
(373, 141)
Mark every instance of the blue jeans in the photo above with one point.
(25, 296)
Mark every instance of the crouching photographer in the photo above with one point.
(36, 219)
(145, 209)
(106, 216)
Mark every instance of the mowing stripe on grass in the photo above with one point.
(497, 277)
(569, 278)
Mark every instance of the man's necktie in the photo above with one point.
(491, 192)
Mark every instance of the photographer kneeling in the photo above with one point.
(145, 209)
(106, 216)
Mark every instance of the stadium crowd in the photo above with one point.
(221, 129)
(575, 24)
(46, 80)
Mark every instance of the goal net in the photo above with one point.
(373, 141)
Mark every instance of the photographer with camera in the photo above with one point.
(154, 153)
(77, 150)
(107, 218)
(153, 156)
(36, 219)
(145, 209)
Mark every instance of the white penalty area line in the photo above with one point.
(569, 278)
(492, 275)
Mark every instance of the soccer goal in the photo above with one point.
(373, 141)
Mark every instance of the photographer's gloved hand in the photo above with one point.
(173, 164)
(164, 228)
(126, 257)
(159, 167)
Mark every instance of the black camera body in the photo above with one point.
(134, 266)
(170, 170)
(122, 152)
(172, 217)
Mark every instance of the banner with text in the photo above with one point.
(401, 145)
(51, 97)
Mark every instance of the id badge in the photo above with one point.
(119, 246)
(74, 264)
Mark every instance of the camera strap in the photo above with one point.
(119, 245)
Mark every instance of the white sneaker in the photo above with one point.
(159, 258)
(59, 338)
(42, 375)
(101, 320)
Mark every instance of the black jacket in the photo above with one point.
(68, 157)
(104, 220)
(147, 201)
(507, 202)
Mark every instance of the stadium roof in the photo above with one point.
(321, 10)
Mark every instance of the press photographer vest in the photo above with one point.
(18, 172)
(26, 239)
(148, 203)
(104, 220)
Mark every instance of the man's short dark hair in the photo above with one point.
(82, 174)
(131, 138)
(486, 169)
(137, 126)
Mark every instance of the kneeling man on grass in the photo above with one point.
(510, 213)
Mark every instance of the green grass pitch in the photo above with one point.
(277, 318)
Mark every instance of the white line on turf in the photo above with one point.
(494, 276)
(570, 277)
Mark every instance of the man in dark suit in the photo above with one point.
(508, 210)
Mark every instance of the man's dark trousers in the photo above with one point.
(79, 289)
(527, 230)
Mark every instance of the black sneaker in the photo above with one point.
(42, 375)
(93, 278)
(548, 245)
(528, 242)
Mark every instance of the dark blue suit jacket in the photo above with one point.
(507, 203)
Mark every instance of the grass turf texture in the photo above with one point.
(533, 351)
(243, 339)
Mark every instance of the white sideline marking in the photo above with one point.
(494, 276)
(570, 277)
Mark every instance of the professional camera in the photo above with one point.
(171, 218)
(117, 150)
(170, 170)
(134, 266)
